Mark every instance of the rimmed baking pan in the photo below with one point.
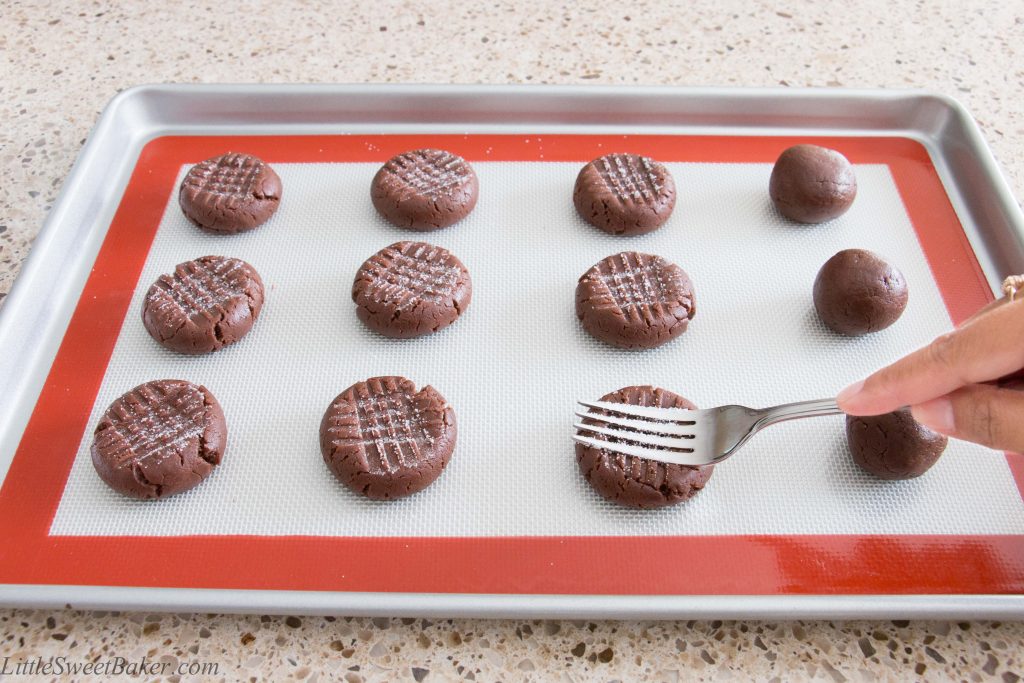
(788, 528)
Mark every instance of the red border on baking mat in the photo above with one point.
(747, 565)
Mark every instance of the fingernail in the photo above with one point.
(849, 392)
(936, 414)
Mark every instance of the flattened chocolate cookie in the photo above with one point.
(425, 189)
(203, 305)
(857, 292)
(411, 289)
(635, 301)
(159, 439)
(812, 184)
(383, 439)
(230, 193)
(894, 445)
(625, 194)
(639, 482)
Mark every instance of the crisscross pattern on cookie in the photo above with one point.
(629, 177)
(383, 418)
(408, 273)
(229, 175)
(152, 421)
(199, 287)
(636, 284)
(428, 172)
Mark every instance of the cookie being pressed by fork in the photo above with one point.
(639, 482)
(231, 193)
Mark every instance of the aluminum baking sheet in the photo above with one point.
(790, 529)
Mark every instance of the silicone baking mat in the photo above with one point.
(789, 514)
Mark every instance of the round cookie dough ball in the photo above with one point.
(857, 292)
(159, 439)
(635, 301)
(639, 482)
(230, 193)
(894, 445)
(410, 289)
(812, 184)
(625, 194)
(383, 439)
(204, 305)
(425, 189)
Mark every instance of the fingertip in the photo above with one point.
(860, 399)
(847, 398)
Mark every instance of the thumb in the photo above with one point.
(980, 413)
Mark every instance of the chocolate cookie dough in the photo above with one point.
(625, 194)
(635, 301)
(425, 189)
(159, 439)
(411, 289)
(230, 193)
(894, 445)
(812, 184)
(857, 292)
(203, 305)
(383, 439)
(639, 482)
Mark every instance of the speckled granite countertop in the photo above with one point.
(64, 61)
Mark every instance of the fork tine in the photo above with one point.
(669, 428)
(639, 437)
(663, 414)
(674, 457)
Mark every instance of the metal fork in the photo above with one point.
(685, 437)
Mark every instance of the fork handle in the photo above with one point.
(792, 411)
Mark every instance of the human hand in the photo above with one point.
(951, 385)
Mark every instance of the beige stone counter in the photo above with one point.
(64, 61)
